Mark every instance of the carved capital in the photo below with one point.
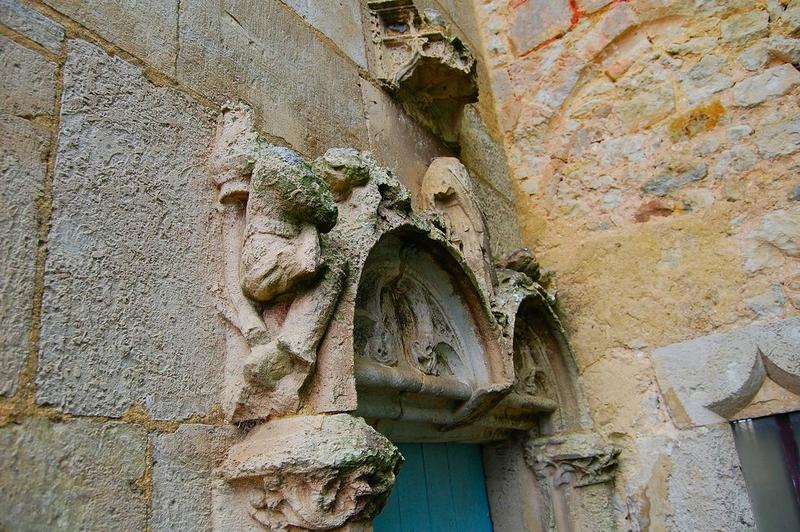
(576, 460)
(313, 472)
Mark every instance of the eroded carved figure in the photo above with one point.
(447, 189)
(289, 280)
(313, 472)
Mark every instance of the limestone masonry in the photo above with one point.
(249, 246)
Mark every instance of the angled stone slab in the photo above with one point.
(339, 21)
(302, 90)
(144, 28)
(708, 380)
(32, 24)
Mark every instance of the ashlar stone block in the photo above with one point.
(339, 20)
(302, 90)
(27, 87)
(27, 81)
(32, 24)
(706, 489)
(77, 475)
(23, 152)
(128, 316)
(183, 475)
(145, 28)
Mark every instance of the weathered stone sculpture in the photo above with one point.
(313, 472)
(341, 298)
(290, 282)
(577, 472)
(428, 69)
(447, 189)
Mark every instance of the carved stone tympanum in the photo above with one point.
(313, 472)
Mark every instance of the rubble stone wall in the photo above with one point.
(655, 152)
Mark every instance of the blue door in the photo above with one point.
(440, 488)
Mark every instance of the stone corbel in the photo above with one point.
(419, 60)
(576, 473)
(307, 473)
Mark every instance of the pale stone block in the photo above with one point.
(615, 22)
(771, 83)
(32, 24)
(183, 475)
(27, 81)
(781, 228)
(397, 141)
(482, 154)
(590, 6)
(779, 139)
(302, 90)
(706, 489)
(709, 379)
(745, 27)
(27, 87)
(705, 79)
(536, 21)
(735, 162)
(23, 150)
(128, 316)
(339, 20)
(76, 475)
(145, 28)
(501, 219)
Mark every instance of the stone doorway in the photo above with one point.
(441, 486)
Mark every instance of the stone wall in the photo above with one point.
(655, 148)
(113, 348)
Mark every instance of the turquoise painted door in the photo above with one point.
(440, 488)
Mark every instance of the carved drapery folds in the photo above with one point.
(313, 472)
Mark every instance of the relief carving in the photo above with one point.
(313, 472)
(419, 60)
(447, 190)
(575, 472)
(575, 469)
(282, 281)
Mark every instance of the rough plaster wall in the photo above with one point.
(112, 353)
(654, 147)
